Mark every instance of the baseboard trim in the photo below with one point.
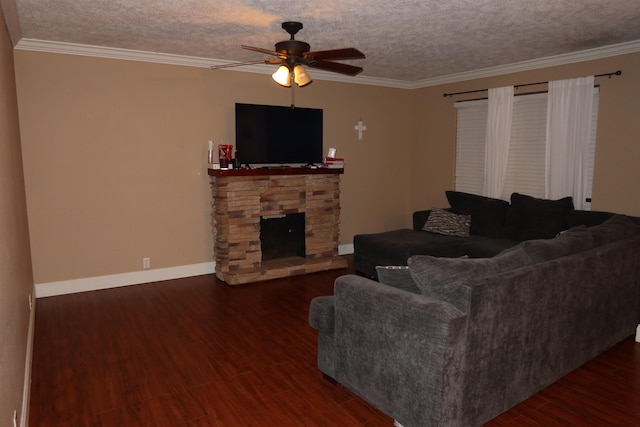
(63, 287)
(26, 389)
(345, 249)
(50, 289)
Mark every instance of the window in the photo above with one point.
(526, 165)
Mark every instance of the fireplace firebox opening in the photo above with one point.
(282, 236)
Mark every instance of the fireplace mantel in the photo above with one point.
(275, 171)
(242, 196)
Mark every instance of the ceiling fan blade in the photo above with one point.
(336, 67)
(346, 53)
(267, 51)
(239, 64)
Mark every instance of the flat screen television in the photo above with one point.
(270, 134)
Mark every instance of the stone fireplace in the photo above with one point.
(245, 199)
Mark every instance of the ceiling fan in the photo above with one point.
(292, 55)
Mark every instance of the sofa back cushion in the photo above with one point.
(589, 218)
(487, 214)
(397, 276)
(615, 228)
(531, 218)
(569, 242)
(441, 278)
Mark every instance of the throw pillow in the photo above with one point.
(615, 228)
(569, 242)
(487, 214)
(447, 223)
(440, 278)
(531, 218)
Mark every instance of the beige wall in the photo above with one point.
(16, 282)
(115, 153)
(616, 185)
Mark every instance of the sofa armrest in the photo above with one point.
(322, 314)
(399, 350)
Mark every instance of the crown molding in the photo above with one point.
(550, 61)
(192, 61)
(187, 61)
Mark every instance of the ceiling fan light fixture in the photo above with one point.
(282, 76)
(300, 76)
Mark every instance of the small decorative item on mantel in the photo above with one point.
(210, 153)
(224, 155)
(333, 162)
(211, 163)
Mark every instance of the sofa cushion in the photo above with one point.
(420, 218)
(397, 276)
(484, 247)
(447, 223)
(532, 218)
(589, 218)
(487, 214)
(441, 278)
(615, 228)
(396, 246)
(569, 242)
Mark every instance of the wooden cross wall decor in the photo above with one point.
(360, 127)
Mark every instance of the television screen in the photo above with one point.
(269, 134)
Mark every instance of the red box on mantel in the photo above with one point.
(333, 162)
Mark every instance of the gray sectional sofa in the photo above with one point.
(495, 225)
(457, 341)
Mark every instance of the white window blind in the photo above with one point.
(526, 164)
(471, 129)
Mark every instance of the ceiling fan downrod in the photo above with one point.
(293, 47)
(292, 28)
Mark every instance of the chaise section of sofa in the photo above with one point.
(495, 225)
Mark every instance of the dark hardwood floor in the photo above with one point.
(196, 352)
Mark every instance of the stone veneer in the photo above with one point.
(241, 197)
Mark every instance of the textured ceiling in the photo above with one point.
(406, 40)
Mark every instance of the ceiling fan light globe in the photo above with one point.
(282, 76)
(300, 76)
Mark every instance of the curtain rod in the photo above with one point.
(616, 73)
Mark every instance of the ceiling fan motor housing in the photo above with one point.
(293, 47)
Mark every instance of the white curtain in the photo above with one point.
(498, 136)
(569, 112)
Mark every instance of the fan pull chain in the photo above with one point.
(293, 93)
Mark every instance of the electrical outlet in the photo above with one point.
(146, 262)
